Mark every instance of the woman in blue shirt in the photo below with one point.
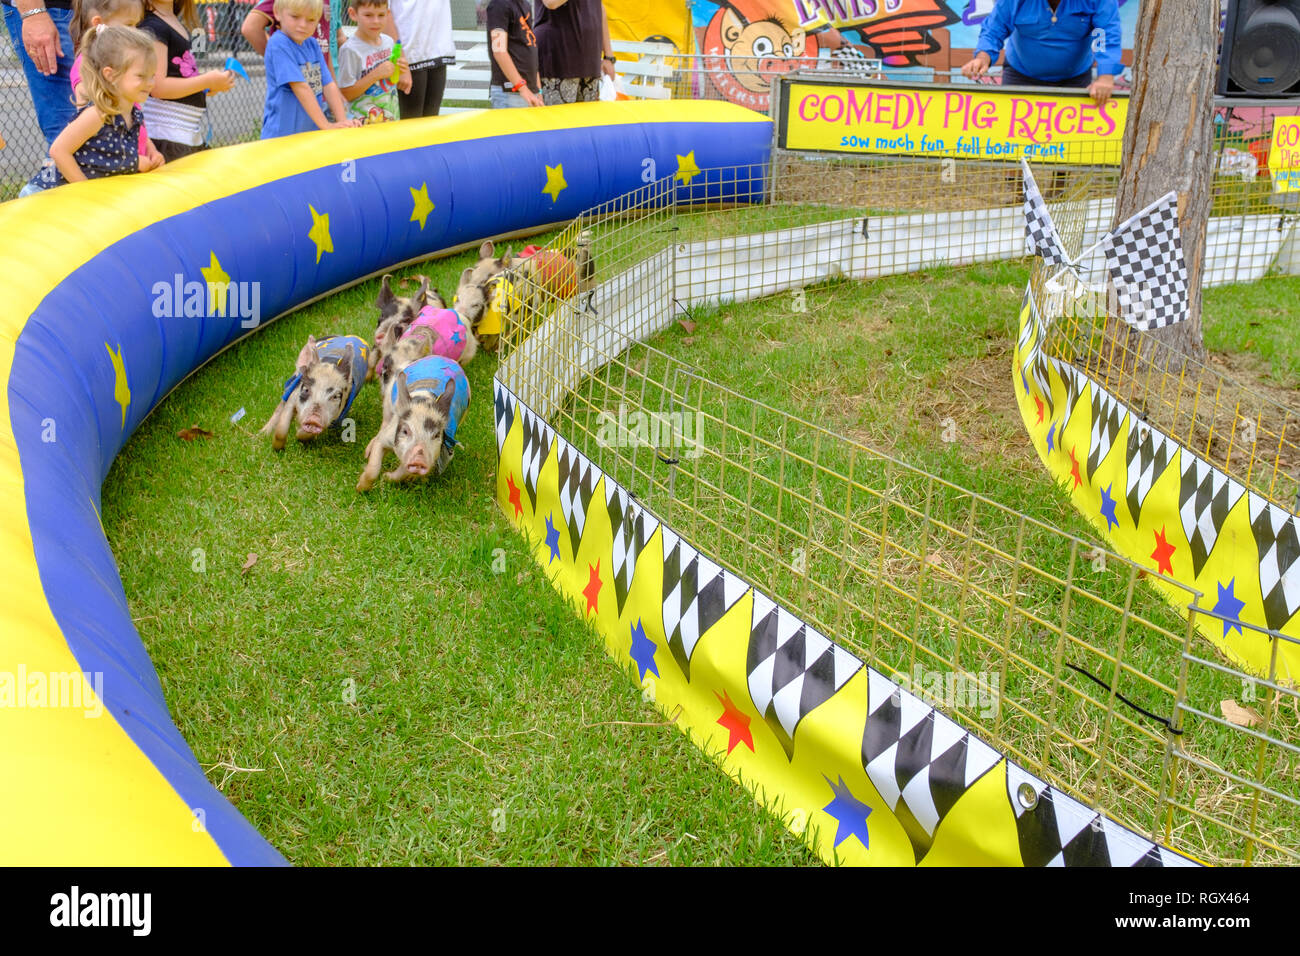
(1052, 43)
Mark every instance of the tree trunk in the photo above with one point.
(1168, 143)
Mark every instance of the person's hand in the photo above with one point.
(404, 81)
(151, 160)
(531, 98)
(219, 80)
(977, 67)
(608, 68)
(344, 124)
(1101, 89)
(42, 43)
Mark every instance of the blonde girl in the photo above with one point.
(177, 110)
(102, 140)
(91, 13)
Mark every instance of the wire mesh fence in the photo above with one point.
(1099, 684)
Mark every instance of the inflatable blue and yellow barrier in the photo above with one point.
(115, 291)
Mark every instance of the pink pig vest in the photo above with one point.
(450, 333)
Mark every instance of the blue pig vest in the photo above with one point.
(332, 350)
(430, 375)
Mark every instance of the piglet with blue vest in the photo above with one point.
(329, 374)
(423, 405)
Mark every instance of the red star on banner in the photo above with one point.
(1074, 469)
(1163, 552)
(593, 586)
(1039, 402)
(514, 496)
(737, 724)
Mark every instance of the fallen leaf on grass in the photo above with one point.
(687, 324)
(193, 432)
(252, 560)
(1234, 713)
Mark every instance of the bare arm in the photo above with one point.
(308, 101)
(501, 53)
(254, 30)
(339, 108)
(73, 137)
(381, 72)
(178, 87)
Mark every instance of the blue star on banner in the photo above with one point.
(1051, 437)
(849, 812)
(1230, 606)
(643, 651)
(1108, 507)
(552, 539)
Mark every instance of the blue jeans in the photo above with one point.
(501, 98)
(51, 95)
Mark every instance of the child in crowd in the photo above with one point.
(365, 70)
(423, 27)
(514, 54)
(91, 13)
(262, 22)
(299, 86)
(118, 72)
(177, 112)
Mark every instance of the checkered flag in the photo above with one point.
(854, 60)
(1144, 256)
(1041, 237)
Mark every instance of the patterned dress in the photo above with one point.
(114, 150)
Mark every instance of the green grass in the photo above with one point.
(1257, 321)
(480, 697)
(919, 367)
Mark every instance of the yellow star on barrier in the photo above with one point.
(686, 168)
(218, 286)
(555, 181)
(121, 393)
(423, 204)
(320, 233)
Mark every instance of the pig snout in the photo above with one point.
(313, 422)
(417, 461)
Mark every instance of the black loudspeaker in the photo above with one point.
(1261, 49)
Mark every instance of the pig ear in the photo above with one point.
(308, 356)
(465, 276)
(443, 404)
(487, 250)
(386, 297)
(345, 366)
(403, 401)
(505, 259)
(422, 297)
